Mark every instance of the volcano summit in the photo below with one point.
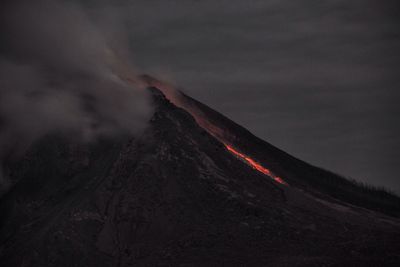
(195, 189)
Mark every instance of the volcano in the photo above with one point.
(195, 189)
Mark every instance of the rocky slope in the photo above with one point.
(176, 196)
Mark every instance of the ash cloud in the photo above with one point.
(60, 72)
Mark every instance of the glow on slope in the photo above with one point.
(255, 165)
(175, 97)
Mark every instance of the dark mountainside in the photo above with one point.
(177, 197)
(296, 172)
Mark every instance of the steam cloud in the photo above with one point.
(60, 72)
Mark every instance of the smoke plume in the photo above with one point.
(60, 72)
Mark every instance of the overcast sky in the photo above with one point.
(318, 79)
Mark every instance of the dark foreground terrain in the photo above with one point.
(177, 197)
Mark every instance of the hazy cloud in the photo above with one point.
(61, 71)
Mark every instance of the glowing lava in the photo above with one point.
(178, 99)
(255, 165)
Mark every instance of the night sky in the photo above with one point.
(318, 79)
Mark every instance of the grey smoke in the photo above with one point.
(60, 72)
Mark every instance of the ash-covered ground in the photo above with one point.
(175, 196)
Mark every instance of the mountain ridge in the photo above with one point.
(176, 196)
(330, 183)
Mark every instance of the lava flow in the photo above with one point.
(255, 165)
(176, 97)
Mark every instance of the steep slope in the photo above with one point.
(177, 196)
(288, 168)
(297, 172)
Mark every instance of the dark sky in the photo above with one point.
(319, 79)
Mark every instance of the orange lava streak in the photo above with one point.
(255, 165)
